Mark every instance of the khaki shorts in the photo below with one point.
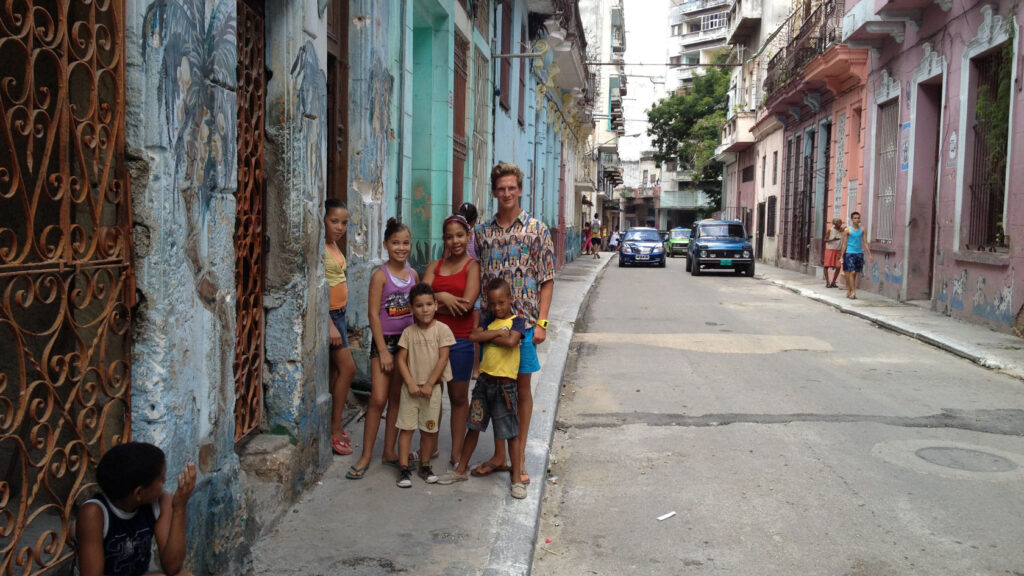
(419, 413)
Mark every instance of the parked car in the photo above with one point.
(641, 246)
(678, 241)
(720, 244)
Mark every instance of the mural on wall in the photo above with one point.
(887, 272)
(573, 244)
(370, 142)
(310, 83)
(951, 292)
(196, 94)
(998, 308)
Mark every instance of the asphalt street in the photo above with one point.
(785, 436)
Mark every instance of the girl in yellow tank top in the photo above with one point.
(343, 367)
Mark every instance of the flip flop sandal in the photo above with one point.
(356, 473)
(487, 468)
(341, 446)
(393, 463)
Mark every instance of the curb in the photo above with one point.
(905, 330)
(515, 540)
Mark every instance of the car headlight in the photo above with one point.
(626, 249)
(746, 253)
(658, 249)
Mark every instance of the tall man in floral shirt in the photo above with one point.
(517, 247)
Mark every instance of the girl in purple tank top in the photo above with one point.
(389, 313)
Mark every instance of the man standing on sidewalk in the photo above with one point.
(854, 249)
(521, 252)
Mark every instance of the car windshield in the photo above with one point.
(723, 231)
(680, 233)
(642, 236)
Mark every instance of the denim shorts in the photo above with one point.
(461, 358)
(853, 262)
(495, 399)
(390, 340)
(528, 360)
(338, 317)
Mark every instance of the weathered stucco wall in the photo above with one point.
(181, 140)
(181, 135)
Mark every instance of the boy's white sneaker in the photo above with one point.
(451, 477)
(404, 478)
(427, 474)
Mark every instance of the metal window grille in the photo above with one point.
(837, 201)
(65, 268)
(787, 199)
(775, 167)
(772, 216)
(460, 147)
(988, 171)
(886, 168)
(522, 77)
(248, 240)
(505, 64)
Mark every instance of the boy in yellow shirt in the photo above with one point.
(494, 395)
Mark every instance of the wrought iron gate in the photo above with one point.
(249, 269)
(65, 267)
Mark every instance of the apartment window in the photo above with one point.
(986, 187)
(764, 166)
(505, 70)
(677, 29)
(775, 167)
(523, 44)
(886, 168)
(748, 174)
(646, 172)
(770, 219)
(714, 21)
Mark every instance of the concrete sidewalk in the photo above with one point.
(979, 344)
(370, 526)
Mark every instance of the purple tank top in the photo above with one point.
(395, 310)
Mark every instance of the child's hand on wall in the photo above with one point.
(186, 484)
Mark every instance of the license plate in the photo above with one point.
(725, 262)
(643, 257)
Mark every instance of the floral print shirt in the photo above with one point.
(523, 255)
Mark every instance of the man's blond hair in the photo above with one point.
(503, 169)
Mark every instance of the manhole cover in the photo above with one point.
(966, 459)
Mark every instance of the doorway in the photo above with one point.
(923, 191)
(337, 104)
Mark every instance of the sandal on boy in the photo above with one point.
(341, 446)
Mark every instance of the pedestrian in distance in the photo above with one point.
(514, 232)
(455, 280)
(596, 236)
(833, 255)
(343, 367)
(854, 249)
(613, 242)
(422, 360)
(587, 240)
(116, 527)
(390, 313)
(496, 390)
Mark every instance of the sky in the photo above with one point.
(647, 31)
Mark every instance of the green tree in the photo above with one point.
(687, 127)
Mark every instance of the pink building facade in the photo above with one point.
(942, 134)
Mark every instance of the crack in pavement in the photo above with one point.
(1007, 422)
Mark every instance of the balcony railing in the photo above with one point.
(704, 35)
(799, 40)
